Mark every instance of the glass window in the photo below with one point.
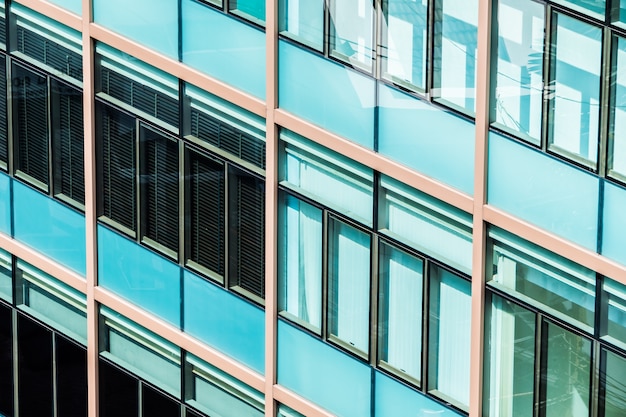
(71, 377)
(509, 359)
(155, 404)
(118, 392)
(6, 360)
(517, 101)
(400, 310)
(51, 301)
(593, 8)
(542, 278)
(216, 393)
(618, 12)
(253, 10)
(303, 20)
(454, 68)
(568, 373)
(328, 177)
(613, 325)
(349, 285)
(6, 280)
(30, 124)
(425, 223)
(4, 128)
(616, 159)
(613, 384)
(575, 89)
(405, 25)
(352, 31)
(449, 337)
(300, 261)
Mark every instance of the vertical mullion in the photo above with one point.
(608, 63)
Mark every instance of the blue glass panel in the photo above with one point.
(614, 223)
(327, 94)
(239, 56)
(253, 10)
(71, 5)
(5, 203)
(394, 399)
(426, 138)
(49, 226)
(149, 22)
(224, 321)
(547, 192)
(322, 373)
(139, 275)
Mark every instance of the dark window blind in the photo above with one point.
(67, 139)
(206, 212)
(159, 188)
(247, 232)
(116, 132)
(30, 106)
(4, 140)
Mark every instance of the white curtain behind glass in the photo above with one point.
(404, 314)
(303, 258)
(350, 287)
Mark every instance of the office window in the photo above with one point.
(300, 261)
(352, 32)
(4, 129)
(574, 89)
(509, 359)
(302, 20)
(71, 377)
(612, 384)
(30, 124)
(539, 277)
(67, 141)
(159, 179)
(404, 31)
(400, 310)
(205, 214)
(348, 285)
(6, 360)
(449, 336)
(116, 133)
(616, 158)
(246, 225)
(593, 8)
(119, 392)
(155, 404)
(454, 67)
(6, 274)
(253, 10)
(517, 97)
(613, 319)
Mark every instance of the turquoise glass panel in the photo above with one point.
(153, 23)
(394, 399)
(253, 10)
(327, 94)
(548, 193)
(614, 223)
(224, 321)
(71, 5)
(593, 8)
(5, 203)
(139, 275)
(302, 20)
(426, 138)
(322, 374)
(49, 227)
(238, 58)
(6, 276)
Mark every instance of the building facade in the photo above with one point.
(312, 208)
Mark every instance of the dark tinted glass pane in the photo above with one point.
(67, 141)
(30, 122)
(116, 133)
(71, 378)
(4, 155)
(159, 188)
(155, 404)
(6, 362)
(206, 212)
(191, 413)
(247, 232)
(118, 392)
(35, 394)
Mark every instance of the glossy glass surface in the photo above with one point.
(614, 222)
(6, 276)
(352, 31)
(616, 158)
(74, 6)
(253, 10)
(613, 325)
(613, 378)
(5, 203)
(302, 20)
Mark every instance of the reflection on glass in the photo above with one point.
(613, 325)
(404, 42)
(574, 89)
(519, 68)
(400, 319)
(594, 8)
(613, 381)
(302, 20)
(349, 285)
(542, 278)
(250, 9)
(568, 373)
(510, 359)
(352, 31)
(300, 262)
(616, 159)
(454, 71)
(449, 337)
